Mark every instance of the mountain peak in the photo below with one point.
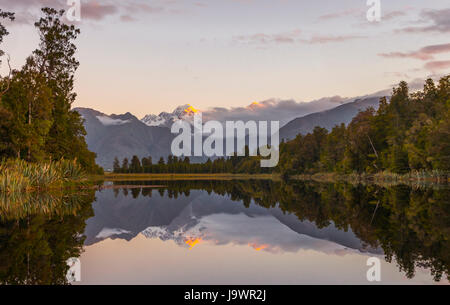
(190, 109)
(166, 119)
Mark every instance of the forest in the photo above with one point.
(410, 132)
(36, 120)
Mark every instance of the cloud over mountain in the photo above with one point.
(270, 110)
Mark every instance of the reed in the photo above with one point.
(21, 176)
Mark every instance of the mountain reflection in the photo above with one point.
(409, 226)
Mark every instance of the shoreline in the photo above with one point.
(383, 178)
(162, 176)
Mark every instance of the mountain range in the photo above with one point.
(165, 119)
(125, 135)
(327, 119)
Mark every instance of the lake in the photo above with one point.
(229, 232)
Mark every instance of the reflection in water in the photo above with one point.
(38, 233)
(409, 226)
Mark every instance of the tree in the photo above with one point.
(135, 166)
(147, 164)
(4, 81)
(125, 165)
(334, 150)
(116, 165)
(360, 153)
(55, 62)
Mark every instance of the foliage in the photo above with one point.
(40, 235)
(410, 133)
(36, 120)
(17, 175)
(411, 225)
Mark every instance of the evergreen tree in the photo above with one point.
(125, 165)
(135, 166)
(55, 61)
(4, 81)
(116, 165)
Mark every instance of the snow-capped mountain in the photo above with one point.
(182, 236)
(165, 119)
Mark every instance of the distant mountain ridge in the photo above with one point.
(327, 119)
(125, 135)
(165, 119)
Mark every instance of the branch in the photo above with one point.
(7, 79)
(373, 147)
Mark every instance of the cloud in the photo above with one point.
(127, 18)
(425, 53)
(437, 21)
(273, 109)
(291, 37)
(94, 10)
(340, 14)
(27, 11)
(437, 65)
(318, 39)
(393, 15)
(361, 13)
(261, 38)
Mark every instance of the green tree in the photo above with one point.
(56, 63)
(135, 166)
(4, 80)
(116, 165)
(125, 166)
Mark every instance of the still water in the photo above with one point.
(228, 232)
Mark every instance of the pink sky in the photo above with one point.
(151, 56)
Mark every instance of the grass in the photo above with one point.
(20, 176)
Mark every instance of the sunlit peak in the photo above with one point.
(258, 247)
(256, 105)
(190, 109)
(192, 242)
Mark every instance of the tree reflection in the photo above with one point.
(37, 239)
(412, 225)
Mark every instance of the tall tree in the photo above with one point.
(4, 80)
(116, 165)
(125, 165)
(56, 62)
(135, 166)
